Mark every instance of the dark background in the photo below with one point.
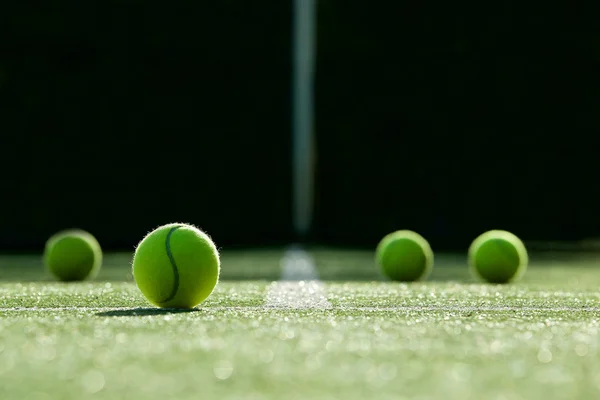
(444, 118)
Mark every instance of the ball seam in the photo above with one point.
(173, 265)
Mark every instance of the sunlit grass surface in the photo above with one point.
(448, 338)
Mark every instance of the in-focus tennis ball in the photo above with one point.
(498, 257)
(73, 255)
(176, 266)
(404, 256)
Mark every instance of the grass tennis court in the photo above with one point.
(449, 337)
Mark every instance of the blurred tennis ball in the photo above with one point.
(176, 266)
(498, 256)
(73, 255)
(404, 256)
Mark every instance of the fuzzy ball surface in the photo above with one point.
(404, 256)
(176, 266)
(73, 255)
(498, 256)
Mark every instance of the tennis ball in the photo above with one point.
(498, 257)
(404, 256)
(73, 255)
(176, 266)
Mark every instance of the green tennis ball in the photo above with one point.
(404, 256)
(176, 266)
(73, 255)
(498, 257)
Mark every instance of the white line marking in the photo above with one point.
(339, 308)
(298, 265)
(299, 286)
(297, 295)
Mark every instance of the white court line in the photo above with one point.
(299, 286)
(303, 306)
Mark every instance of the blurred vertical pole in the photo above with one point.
(304, 25)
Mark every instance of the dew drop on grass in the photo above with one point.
(544, 356)
(223, 369)
(387, 371)
(92, 381)
(265, 356)
(581, 350)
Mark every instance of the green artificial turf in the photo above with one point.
(448, 338)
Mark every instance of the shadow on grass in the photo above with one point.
(142, 312)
